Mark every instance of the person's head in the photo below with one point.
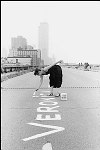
(37, 71)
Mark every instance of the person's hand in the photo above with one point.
(61, 61)
(36, 89)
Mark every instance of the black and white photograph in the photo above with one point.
(50, 75)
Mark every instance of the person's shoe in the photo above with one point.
(57, 95)
(51, 94)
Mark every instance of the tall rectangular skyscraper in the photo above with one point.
(43, 42)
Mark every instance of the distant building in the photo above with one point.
(20, 50)
(29, 53)
(13, 52)
(26, 52)
(30, 47)
(23, 55)
(43, 42)
(39, 57)
(20, 60)
(17, 42)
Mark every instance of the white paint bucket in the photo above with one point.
(63, 96)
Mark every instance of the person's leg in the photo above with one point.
(51, 90)
(56, 92)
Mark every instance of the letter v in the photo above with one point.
(57, 129)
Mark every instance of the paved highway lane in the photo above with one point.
(29, 122)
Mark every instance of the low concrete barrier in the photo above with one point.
(12, 75)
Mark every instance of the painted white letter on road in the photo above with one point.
(56, 129)
(47, 117)
(47, 109)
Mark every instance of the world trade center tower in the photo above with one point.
(43, 42)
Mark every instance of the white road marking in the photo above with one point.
(47, 96)
(35, 96)
(47, 146)
(41, 94)
(47, 109)
(48, 103)
(56, 129)
(48, 117)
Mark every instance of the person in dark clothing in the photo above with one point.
(55, 77)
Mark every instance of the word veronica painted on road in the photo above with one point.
(48, 106)
(46, 111)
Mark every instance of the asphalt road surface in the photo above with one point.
(30, 122)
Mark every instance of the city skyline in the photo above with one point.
(74, 27)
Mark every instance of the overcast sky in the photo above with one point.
(74, 27)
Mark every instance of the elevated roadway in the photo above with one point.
(30, 121)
